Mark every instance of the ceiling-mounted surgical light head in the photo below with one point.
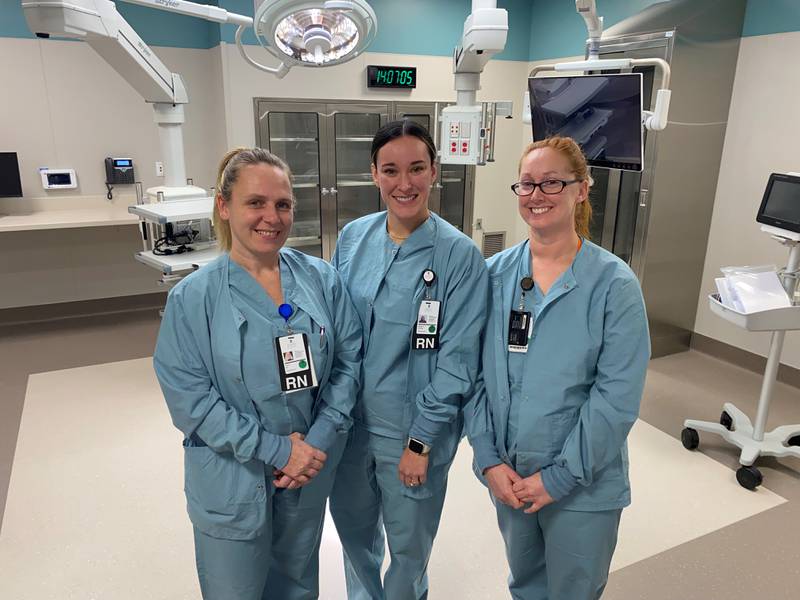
(314, 33)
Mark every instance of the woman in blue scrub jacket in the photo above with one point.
(419, 286)
(564, 360)
(258, 357)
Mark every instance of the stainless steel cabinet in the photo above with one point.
(659, 220)
(327, 145)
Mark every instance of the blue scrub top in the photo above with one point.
(566, 406)
(386, 357)
(414, 392)
(519, 364)
(279, 412)
(217, 365)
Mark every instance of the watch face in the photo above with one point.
(416, 446)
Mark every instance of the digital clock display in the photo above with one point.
(391, 77)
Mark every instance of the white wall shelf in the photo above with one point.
(67, 219)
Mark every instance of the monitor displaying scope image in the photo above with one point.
(10, 184)
(602, 113)
(780, 206)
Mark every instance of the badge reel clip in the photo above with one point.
(427, 325)
(295, 361)
(520, 324)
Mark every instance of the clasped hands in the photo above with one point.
(305, 463)
(510, 488)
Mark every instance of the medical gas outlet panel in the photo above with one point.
(462, 142)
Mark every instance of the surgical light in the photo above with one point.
(314, 33)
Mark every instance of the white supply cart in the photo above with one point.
(158, 215)
(734, 426)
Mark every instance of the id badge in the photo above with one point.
(427, 326)
(296, 362)
(520, 325)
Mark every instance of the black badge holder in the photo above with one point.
(295, 362)
(520, 323)
(428, 323)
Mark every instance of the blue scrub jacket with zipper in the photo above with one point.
(199, 366)
(590, 348)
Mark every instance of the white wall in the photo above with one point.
(71, 109)
(63, 106)
(761, 138)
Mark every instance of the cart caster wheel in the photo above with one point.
(726, 421)
(794, 441)
(749, 477)
(690, 438)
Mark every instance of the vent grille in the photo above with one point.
(493, 242)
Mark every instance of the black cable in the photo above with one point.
(181, 240)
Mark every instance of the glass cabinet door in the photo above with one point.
(453, 194)
(295, 137)
(354, 191)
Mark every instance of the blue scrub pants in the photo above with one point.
(558, 554)
(367, 498)
(283, 562)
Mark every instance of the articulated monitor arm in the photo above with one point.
(655, 120)
(99, 24)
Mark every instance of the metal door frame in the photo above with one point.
(650, 45)
(401, 107)
(326, 110)
(334, 107)
(263, 141)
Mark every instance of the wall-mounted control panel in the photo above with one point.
(58, 179)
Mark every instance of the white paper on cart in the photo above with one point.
(758, 291)
(726, 296)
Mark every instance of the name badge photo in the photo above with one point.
(296, 363)
(427, 326)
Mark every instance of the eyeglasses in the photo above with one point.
(548, 186)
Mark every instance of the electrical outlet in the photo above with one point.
(159, 169)
(478, 223)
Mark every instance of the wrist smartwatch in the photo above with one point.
(418, 447)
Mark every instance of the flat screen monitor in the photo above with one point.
(10, 184)
(602, 113)
(780, 206)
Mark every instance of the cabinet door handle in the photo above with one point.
(643, 199)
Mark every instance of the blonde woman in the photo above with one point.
(258, 357)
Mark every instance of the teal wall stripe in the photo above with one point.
(538, 29)
(12, 21)
(157, 28)
(161, 28)
(434, 28)
(764, 17)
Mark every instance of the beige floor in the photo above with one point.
(95, 507)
